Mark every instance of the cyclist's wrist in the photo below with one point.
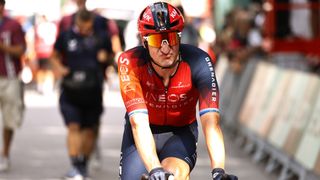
(216, 172)
(219, 173)
(155, 169)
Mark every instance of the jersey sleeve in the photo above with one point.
(130, 87)
(208, 87)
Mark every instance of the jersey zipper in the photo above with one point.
(166, 89)
(166, 101)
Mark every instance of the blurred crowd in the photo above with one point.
(241, 36)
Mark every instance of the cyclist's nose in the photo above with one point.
(165, 47)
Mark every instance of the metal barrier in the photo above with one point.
(274, 112)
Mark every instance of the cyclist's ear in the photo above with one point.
(145, 44)
(144, 41)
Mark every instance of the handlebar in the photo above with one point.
(168, 177)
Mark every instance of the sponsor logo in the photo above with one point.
(173, 14)
(172, 101)
(181, 85)
(162, 98)
(214, 86)
(133, 102)
(146, 17)
(124, 75)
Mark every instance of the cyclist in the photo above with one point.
(161, 83)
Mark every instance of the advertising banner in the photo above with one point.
(302, 115)
(254, 92)
(289, 109)
(308, 152)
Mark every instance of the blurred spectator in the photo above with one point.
(131, 35)
(190, 33)
(77, 58)
(198, 32)
(241, 37)
(12, 47)
(239, 40)
(45, 35)
(100, 24)
(207, 38)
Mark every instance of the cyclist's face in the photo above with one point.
(166, 54)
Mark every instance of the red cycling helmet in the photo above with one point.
(160, 17)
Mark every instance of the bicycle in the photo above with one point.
(168, 177)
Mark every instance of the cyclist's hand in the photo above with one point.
(159, 174)
(219, 174)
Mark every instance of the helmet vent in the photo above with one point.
(160, 17)
(175, 23)
(149, 27)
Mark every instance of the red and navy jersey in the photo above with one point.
(143, 91)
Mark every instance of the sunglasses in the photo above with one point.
(156, 40)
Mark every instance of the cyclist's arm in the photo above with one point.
(205, 80)
(133, 99)
(144, 141)
(214, 139)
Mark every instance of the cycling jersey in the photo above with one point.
(143, 91)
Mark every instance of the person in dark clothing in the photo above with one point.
(77, 58)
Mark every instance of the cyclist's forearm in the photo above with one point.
(214, 139)
(144, 142)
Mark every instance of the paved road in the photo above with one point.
(39, 152)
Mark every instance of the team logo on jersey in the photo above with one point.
(150, 85)
(214, 85)
(124, 75)
(72, 45)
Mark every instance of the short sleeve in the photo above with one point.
(130, 87)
